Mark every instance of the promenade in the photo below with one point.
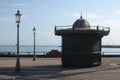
(51, 69)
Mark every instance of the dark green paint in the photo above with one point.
(81, 50)
(81, 47)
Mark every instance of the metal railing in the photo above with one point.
(91, 27)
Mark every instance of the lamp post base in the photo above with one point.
(34, 58)
(18, 66)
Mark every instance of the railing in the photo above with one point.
(24, 53)
(91, 27)
(63, 27)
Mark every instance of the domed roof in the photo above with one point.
(81, 23)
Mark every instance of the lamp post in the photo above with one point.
(18, 15)
(34, 56)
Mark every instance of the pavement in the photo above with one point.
(51, 69)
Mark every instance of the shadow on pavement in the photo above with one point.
(48, 71)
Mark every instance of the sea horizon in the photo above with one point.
(40, 49)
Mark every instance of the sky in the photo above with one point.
(44, 15)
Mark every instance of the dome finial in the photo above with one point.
(81, 16)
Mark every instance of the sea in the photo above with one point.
(43, 49)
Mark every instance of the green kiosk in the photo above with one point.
(81, 43)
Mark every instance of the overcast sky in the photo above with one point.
(45, 14)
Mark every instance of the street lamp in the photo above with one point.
(34, 56)
(18, 15)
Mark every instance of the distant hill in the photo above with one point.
(110, 46)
